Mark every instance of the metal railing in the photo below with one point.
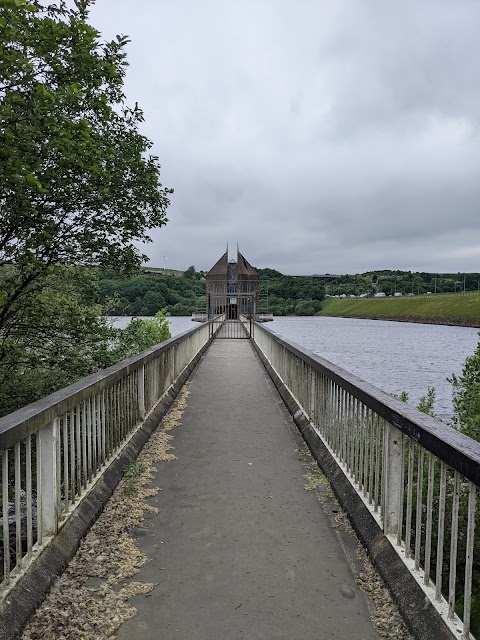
(54, 450)
(222, 327)
(418, 477)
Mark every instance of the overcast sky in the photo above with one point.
(323, 135)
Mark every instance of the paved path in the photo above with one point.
(246, 552)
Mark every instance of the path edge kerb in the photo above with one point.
(32, 588)
(421, 617)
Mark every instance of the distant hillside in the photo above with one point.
(151, 290)
(183, 292)
(389, 282)
(462, 309)
(163, 271)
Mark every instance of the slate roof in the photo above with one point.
(244, 267)
(220, 268)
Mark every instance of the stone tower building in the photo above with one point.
(232, 288)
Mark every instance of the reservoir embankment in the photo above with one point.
(460, 309)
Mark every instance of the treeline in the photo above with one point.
(405, 282)
(144, 293)
(147, 292)
(290, 295)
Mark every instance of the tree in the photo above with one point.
(61, 336)
(64, 335)
(78, 186)
(307, 307)
(466, 397)
(190, 272)
(139, 335)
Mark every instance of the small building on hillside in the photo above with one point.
(232, 288)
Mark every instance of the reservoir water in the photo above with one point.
(178, 324)
(394, 356)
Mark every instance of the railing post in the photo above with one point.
(392, 479)
(210, 318)
(141, 392)
(49, 472)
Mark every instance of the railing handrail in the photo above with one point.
(415, 476)
(54, 451)
(19, 424)
(456, 449)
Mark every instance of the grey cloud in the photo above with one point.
(330, 136)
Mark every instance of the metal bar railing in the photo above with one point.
(419, 477)
(53, 450)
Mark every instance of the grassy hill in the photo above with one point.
(456, 309)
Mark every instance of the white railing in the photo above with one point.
(54, 450)
(418, 477)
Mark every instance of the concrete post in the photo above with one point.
(392, 479)
(49, 481)
(141, 392)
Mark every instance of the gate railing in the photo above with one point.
(232, 313)
(418, 477)
(54, 450)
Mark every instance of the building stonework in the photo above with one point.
(232, 288)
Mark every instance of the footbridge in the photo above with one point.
(238, 548)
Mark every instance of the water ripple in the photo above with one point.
(394, 356)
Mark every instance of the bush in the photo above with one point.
(466, 397)
(307, 307)
(140, 335)
(277, 310)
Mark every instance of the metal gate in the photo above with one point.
(231, 315)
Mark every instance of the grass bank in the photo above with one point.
(453, 309)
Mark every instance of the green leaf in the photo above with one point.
(77, 185)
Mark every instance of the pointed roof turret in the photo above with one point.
(220, 268)
(244, 267)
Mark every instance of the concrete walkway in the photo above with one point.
(247, 552)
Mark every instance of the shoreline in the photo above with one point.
(449, 322)
(473, 323)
